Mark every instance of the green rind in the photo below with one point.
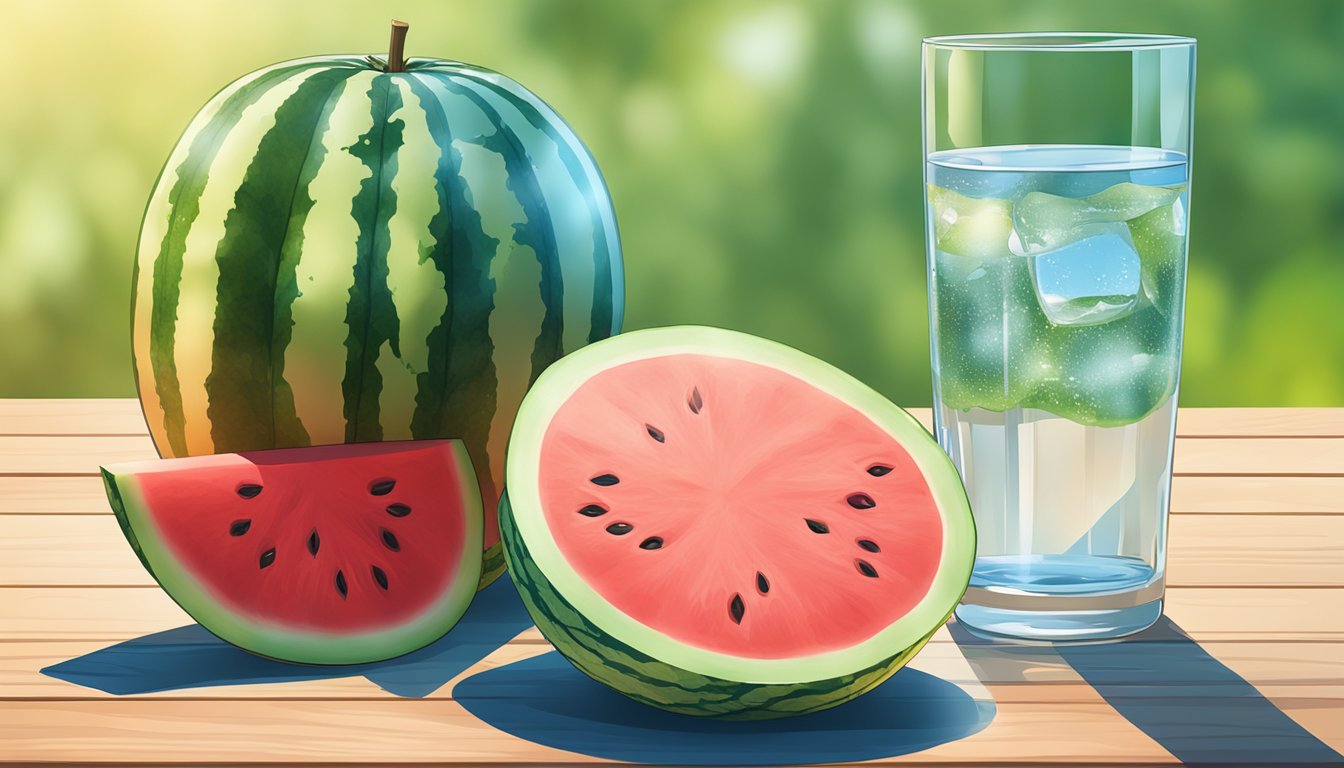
(191, 177)
(650, 667)
(649, 681)
(371, 316)
(457, 395)
(272, 198)
(492, 564)
(287, 643)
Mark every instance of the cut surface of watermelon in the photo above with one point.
(329, 555)
(744, 529)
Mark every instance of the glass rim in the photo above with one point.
(1059, 41)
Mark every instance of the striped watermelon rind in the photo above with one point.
(654, 669)
(333, 253)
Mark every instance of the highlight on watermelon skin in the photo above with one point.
(354, 248)
(716, 524)
(338, 554)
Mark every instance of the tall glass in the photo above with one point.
(1057, 170)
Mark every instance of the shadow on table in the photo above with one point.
(547, 701)
(1170, 688)
(191, 657)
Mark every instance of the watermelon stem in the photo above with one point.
(395, 49)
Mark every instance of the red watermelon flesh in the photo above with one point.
(334, 554)
(729, 505)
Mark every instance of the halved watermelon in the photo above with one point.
(332, 555)
(716, 524)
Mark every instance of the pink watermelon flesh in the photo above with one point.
(345, 541)
(681, 489)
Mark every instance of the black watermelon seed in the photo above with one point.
(605, 480)
(341, 585)
(737, 609)
(653, 542)
(695, 402)
(379, 576)
(869, 545)
(382, 487)
(878, 470)
(656, 434)
(390, 541)
(239, 527)
(817, 526)
(267, 558)
(398, 510)
(762, 583)
(861, 501)
(592, 510)
(313, 543)
(249, 490)
(620, 529)
(866, 569)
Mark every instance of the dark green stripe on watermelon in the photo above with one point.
(371, 316)
(456, 395)
(184, 205)
(535, 232)
(272, 198)
(602, 288)
(649, 681)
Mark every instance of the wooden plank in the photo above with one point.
(432, 731)
(47, 454)
(56, 416)
(1207, 613)
(1205, 550)
(1257, 495)
(61, 550)
(1190, 495)
(1253, 550)
(21, 677)
(1311, 670)
(54, 495)
(1260, 422)
(1253, 456)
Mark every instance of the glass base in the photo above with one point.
(1058, 626)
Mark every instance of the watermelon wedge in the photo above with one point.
(716, 524)
(331, 555)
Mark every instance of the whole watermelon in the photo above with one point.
(339, 252)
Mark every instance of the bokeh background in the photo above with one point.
(764, 158)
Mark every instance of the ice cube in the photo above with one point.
(1089, 280)
(968, 226)
(1042, 221)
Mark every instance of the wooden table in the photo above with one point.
(1248, 668)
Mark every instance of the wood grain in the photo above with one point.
(433, 730)
(1312, 669)
(54, 416)
(54, 454)
(1256, 495)
(1260, 455)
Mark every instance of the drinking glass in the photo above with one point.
(1057, 180)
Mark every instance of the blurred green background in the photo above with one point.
(764, 158)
